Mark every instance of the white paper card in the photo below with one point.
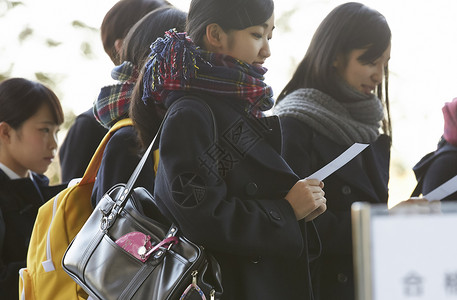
(443, 190)
(338, 162)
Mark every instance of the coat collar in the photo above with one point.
(259, 139)
(270, 145)
(421, 167)
(26, 188)
(41, 180)
(245, 135)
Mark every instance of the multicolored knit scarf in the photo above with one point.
(113, 102)
(176, 63)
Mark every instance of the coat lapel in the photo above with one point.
(260, 140)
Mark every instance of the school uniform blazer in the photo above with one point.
(120, 158)
(19, 203)
(226, 192)
(306, 151)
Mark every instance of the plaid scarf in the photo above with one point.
(176, 63)
(113, 101)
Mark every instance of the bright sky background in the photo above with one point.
(423, 60)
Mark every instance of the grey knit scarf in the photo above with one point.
(345, 122)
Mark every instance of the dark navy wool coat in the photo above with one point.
(79, 145)
(120, 158)
(365, 178)
(226, 191)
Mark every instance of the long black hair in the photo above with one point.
(136, 49)
(347, 27)
(21, 98)
(120, 18)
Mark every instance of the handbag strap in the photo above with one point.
(125, 193)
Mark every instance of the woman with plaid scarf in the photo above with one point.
(121, 154)
(86, 132)
(220, 176)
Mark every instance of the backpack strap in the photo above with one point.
(48, 265)
(94, 164)
(89, 176)
(130, 183)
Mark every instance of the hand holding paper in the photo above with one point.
(307, 199)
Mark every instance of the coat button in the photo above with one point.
(251, 188)
(275, 215)
(346, 190)
(342, 278)
(256, 259)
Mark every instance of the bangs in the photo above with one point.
(46, 96)
(375, 37)
(244, 14)
(374, 49)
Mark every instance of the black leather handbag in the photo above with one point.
(128, 250)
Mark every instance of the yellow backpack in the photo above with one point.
(57, 223)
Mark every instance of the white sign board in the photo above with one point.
(408, 255)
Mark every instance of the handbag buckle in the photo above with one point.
(115, 210)
(107, 221)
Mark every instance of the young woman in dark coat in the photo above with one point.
(225, 184)
(30, 117)
(121, 154)
(334, 99)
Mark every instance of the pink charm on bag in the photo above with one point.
(139, 244)
(136, 243)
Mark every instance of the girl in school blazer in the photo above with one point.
(30, 116)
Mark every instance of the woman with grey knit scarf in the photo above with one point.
(335, 99)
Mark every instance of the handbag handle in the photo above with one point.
(120, 202)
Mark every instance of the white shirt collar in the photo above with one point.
(11, 174)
